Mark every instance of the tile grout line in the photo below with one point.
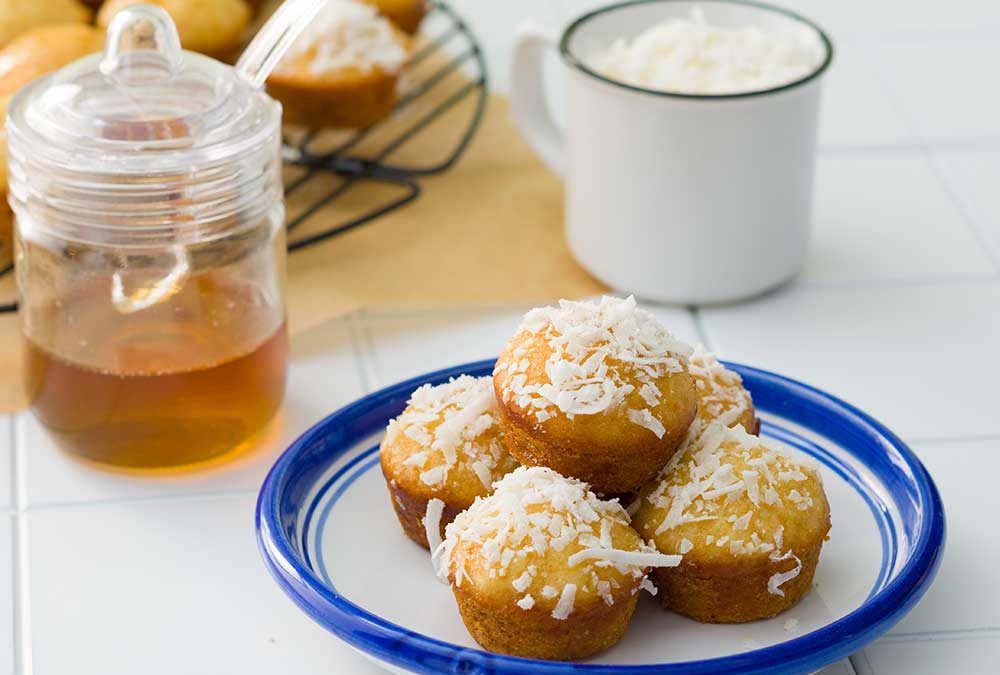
(363, 347)
(964, 209)
(943, 635)
(155, 499)
(974, 438)
(877, 284)
(860, 663)
(928, 148)
(701, 328)
(418, 311)
(22, 606)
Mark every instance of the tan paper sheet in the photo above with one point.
(487, 231)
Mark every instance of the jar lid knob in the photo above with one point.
(142, 47)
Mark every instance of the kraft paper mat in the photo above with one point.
(489, 230)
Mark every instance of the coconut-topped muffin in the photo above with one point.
(543, 568)
(749, 520)
(721, 394)
(342, 71)
(597, 391)
(442, 452)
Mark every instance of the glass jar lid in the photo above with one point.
(143, 143)
(143, 105)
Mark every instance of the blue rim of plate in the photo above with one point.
(294, 477)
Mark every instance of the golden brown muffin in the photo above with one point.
(599, 392)
(342, 72)
(749, 521)
(18, 16)
(721, 394)
(406, 14)
(37, 52)
(445, 449)
(542, 568)
(43, 50)
(211, 27)
(6, 229)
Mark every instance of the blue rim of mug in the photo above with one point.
(288, 483)
(572, 59)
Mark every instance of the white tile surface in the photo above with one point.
(969, 656)
(323, 376)
(944, 85)
(973, 176)
(494, 24)
(857, 110)
(408, 344)
(6, 462)
(903, 353)
(166, 588)
(7, 591)
(840, 668)
(405, 345)
(966, 593)
(887, 216)
(921, 16)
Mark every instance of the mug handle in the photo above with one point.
(527, 97)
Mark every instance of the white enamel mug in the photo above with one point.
(676, 197)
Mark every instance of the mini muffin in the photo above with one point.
(343, 70)
(599, 392)
(37, 52)
(6, 214)
(211, 27)
(6, 228)
(18, 16)
(406, 14)
(544, 569)
(721, 394)
(749, 521)
(441, 453)
(43, 50)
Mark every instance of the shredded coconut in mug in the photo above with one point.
(693, 56)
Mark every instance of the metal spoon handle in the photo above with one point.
(275, 38)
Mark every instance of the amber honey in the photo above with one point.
(181, 383)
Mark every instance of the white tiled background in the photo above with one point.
(898, 310)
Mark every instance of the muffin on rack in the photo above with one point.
(542, 568)
(720, 393)
(748, 519)
(441, 453)
(18, 16)
(211, 27)
(596, 391)
(37, 52)
(343, 70)
(43, 50)
(406, 14)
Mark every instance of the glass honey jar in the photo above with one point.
(150, 252)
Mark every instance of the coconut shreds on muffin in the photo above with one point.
(531, 511)
(596, 349)
(721, 395)
(453, 421)
(698, 486)
(348, 34)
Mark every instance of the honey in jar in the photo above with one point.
(150, 250)
(185, 382)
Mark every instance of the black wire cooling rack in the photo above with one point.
(377, 170)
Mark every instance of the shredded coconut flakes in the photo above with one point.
(348, 34)
(599, 352)
(455, 421)
(533, 510)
